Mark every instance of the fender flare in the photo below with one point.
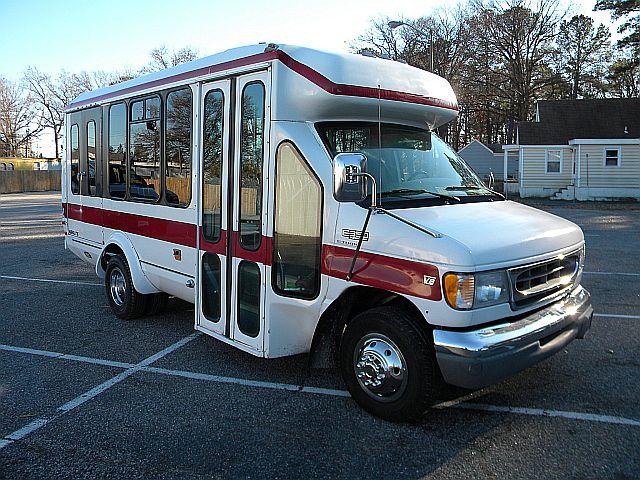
(140, 281)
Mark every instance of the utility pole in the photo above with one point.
(393, 24)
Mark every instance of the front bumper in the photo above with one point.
(474, 359)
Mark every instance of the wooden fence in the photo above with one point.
(17, 181)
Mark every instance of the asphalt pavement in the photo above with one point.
(85, 395)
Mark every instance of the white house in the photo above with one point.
(580, 149)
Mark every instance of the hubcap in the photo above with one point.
(380, 367)
(117, 286)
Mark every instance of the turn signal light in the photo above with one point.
(459, 290)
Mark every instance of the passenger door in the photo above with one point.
(84, 199)
(233, 246)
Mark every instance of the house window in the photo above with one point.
(612, 157)
(553, 163)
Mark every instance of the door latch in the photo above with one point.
(190, 283)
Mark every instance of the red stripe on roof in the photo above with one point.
(298, 67)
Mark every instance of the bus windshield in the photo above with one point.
(412, 163)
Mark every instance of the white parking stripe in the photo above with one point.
(624, 274)
(95, 391)
(539, 412)
(48, 280)
(144, 366)
(12, 238)
(249, 383)
(611, 315)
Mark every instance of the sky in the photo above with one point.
(80, 35)
(77, 35)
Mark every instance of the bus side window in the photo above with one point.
(75, 160)
(144, 151)
(117, 151)
(91, 157)
(178, 148)
(297, 239)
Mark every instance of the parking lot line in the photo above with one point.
(48, 280)
(539, 412)
(615, 315)
(95, 391)
(144, 366)
(625, 274)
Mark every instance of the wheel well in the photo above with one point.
(111, 250)
(353, 301)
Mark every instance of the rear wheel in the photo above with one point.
(388, 365)
(125, 301)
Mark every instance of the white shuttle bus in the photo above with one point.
(303, 201)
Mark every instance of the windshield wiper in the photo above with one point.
(465, 188)
(400, 191)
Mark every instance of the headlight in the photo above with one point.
(464, 291)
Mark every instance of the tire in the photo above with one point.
(125, 302)
(156, 303)
(393, 356)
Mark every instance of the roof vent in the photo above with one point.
(626, 130)
(272, 47)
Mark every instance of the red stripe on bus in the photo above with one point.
(380, 271)
(298, 67)
(167, 230)
(371, 269)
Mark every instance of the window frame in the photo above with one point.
(164, 120)
(308, 166)
(222, 177)
(619, 158)
(128, 197)
(560, 160)
(239, 144)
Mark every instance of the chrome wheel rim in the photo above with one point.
(380, 367)
(117, 286)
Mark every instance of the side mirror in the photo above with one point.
(349, 185)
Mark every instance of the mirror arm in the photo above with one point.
(355, 254)
(372, 208)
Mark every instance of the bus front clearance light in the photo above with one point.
(464, 291)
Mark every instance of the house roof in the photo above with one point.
(493, 148)
(562, 120)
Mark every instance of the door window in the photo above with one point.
(211, 291)
(297, 240)
(212, 149)
(251, 153)
(249, 298)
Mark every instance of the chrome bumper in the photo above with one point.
(474, 359)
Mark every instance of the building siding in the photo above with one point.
(534, 174)
(483, 161)
(594, 174)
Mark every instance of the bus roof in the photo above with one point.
(337, 73)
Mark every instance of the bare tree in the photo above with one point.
(19, 119)
(54, 94)
(162, 57)
(584, 51)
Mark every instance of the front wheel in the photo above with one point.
(388, 366)
(125, 301)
